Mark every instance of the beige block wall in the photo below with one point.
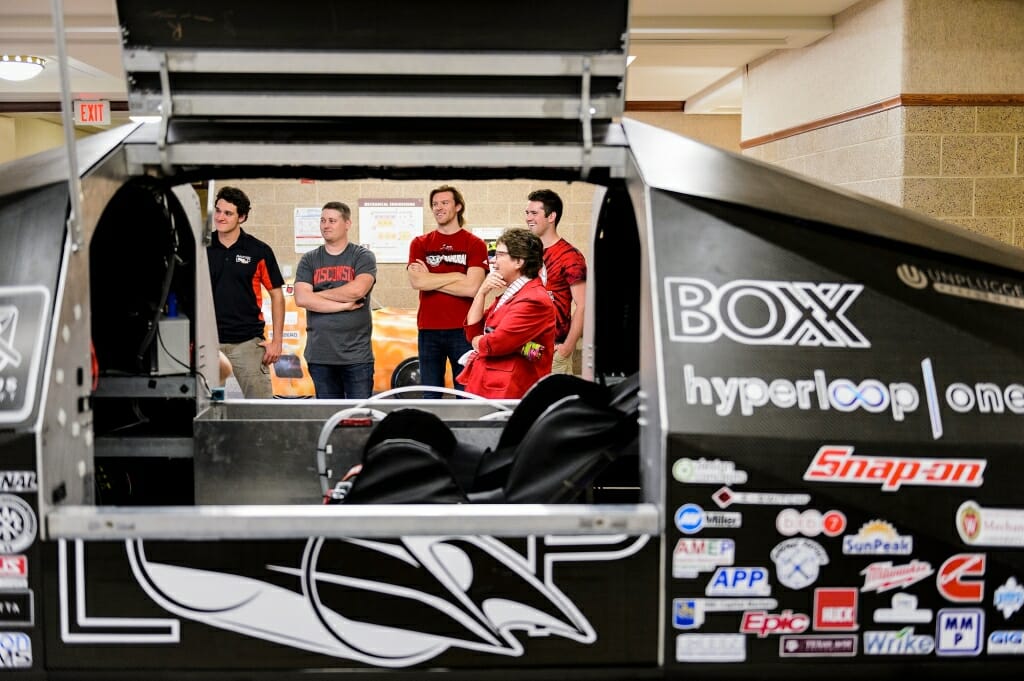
(490, 203)
(961, 164)
(858, 63)
(963, 46)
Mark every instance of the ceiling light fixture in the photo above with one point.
(20, 66)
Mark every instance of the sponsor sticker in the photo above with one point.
(902, 642)
(818, 646)
(1009, 597)
(961, 285)
(835, 609)
(890, 399)
(760, 312)
(707, 471)
(979, 526)
(798, 562)
(739, 581)
(711, 648)
(810, 522)
(904, 610)
(693, 556)
(22, 310)
(877, 537)
(691, 518)
(883, 576)
(1006, 642)
(18, 481)
(769, 623)
(959, 631)
(13, 572)
(838, 463)
(725, 497)
(17, 524)
(957, 581)
(686, 613)
(15, 650)
(16, 608)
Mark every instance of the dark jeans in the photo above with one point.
(338, 382)
(436, 346)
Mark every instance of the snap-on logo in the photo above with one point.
(757, 312)
(837, 463)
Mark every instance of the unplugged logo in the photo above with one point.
(8, 325)
(911, 276)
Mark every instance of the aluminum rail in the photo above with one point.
(300, 522)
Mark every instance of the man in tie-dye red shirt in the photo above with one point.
(564, 275)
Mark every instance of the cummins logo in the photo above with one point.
(757, 312)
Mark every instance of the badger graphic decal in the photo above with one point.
(388, 603)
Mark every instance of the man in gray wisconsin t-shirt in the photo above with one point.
(333, 283)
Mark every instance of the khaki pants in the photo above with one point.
(560, 365)
(247, 365)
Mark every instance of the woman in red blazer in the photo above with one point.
(512, 341)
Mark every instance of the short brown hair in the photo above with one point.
(525, 245)
(346, 212)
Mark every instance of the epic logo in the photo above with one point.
(763, 623)
(756, 312)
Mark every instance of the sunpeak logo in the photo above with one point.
(758, 312)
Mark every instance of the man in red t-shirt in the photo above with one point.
(447, 266)
(564, 275)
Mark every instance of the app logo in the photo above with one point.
(739, 581)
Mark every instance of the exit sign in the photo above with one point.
(96, 112)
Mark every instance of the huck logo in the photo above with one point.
(758, 312)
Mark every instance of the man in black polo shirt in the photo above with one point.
(240, 267)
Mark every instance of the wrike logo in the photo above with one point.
(758, 312)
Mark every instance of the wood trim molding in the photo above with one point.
(892, 103)
(50, 107)
(656, 105)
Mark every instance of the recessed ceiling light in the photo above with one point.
(20, 66)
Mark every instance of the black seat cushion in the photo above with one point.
(569, 445)
(404, 471)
